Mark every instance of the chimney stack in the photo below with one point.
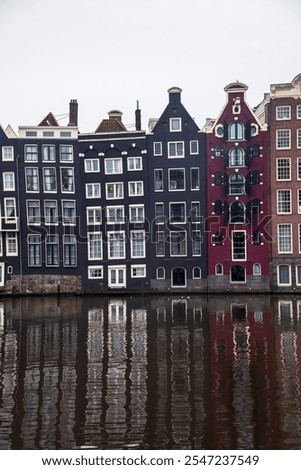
(138, 118)
(73, 113)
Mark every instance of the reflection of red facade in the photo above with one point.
(242, 378)
(237, 197)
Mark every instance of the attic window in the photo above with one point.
(48, 134)
(65, 134)
(175, 125)
(31, 134)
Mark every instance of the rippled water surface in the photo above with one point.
(150, 373)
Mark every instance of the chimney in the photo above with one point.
(138, 118)
(115, 115)
(174, 94)
(73, 113)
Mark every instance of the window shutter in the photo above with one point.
(248, 130)
(225, 130)
(226, 212)
(248, 183)
(226, 184)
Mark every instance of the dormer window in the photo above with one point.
(175, 124)
(236, 131)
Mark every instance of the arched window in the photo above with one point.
(237, 213)
(196, 273)
(219, 270)
(236, 131)
(218, 151)
(298, 274)
(238, 273)
(218, 178)
(178, 277)
(257, 269)
(160, 273)
(236, 184)
(236, 157)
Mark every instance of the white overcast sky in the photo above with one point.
(110, 53)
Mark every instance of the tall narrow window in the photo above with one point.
(116, 248)
(49, 180)
(11, 244)
(236, 184)
(33, 212)
(236, 131)
(159, 213)
(67, 180)
(8, 181)
(51, 212)
(52, 250)
(68, 212)
(178, 243)
(239, 245)
(283, 168)
(236, 157)
(138, 244)
(10, 209)
(284, 201)
(284, 238)
(34, 250)
(194, 178)
(94, 246)
(160, 244)
(48, 153)
(69, 250)
(158, 179)
(31, 179)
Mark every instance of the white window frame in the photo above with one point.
(299, 168)
(163, 270)
(278, 133)
(67, 243)
(115, 210)
(191, 144)
(48, 153)
(171, 244)
(134, 218)
(136, 166)
(283, 113)
(109, 241)
(70, 177)
(67, 220)
(160, 237)
(183, 204)
(279, 168)
(34, 177)
(135, 185)
(92, 165)
(298, 111)
(52, 174)
(142, 245)
(2, 274)
(11, 236)
(298, 281)
(92, 269)
(175, 124)
(51, 203)
(233, 257)
(193, 272)
(115, 191)
(198, 241)
(171, 185)
(290, 275)
(9, 218)
(116, 161)
(52, 243)
(31, 154)
(117, 268)
(96, 213)
(162, 216)
(176, 153)
(95, 192)
(222, 270)
(138, 266)
(157, 149)
(38, 216)
(91, 253)
(299, 200)
(66, 156)
(9, 177)
(298, 138)
(7, 153)
(289, 201)
(299, 237)
(34, 240)
(255, 266)
(290, 239)
(155, 188)
(198, 186)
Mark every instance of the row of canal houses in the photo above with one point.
(176, 208)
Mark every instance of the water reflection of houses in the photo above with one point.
(288, 360)
(150, 372)
(242, 372)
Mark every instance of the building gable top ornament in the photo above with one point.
(292, 89)
(49, 120)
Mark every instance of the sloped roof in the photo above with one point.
(113, 124)
(49, 120)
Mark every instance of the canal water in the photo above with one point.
(150, 372)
